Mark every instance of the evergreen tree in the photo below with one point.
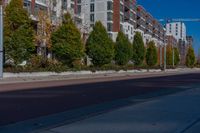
(18, 33)
(151, 54)
(176, 56)
(99, 46)
(169, 56)
(138, 49)
(123, 49)
(190, 57)
(67, 44)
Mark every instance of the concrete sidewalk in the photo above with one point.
(177, 113)
(50, 76)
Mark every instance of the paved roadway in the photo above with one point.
(25, 104)
(175, 113)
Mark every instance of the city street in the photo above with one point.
(24, 110)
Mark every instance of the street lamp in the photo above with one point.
(173, 54)
(1, 41)
(165, 56)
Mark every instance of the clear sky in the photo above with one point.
(162, 9)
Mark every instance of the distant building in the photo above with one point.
(171, 40)
(176, 29)
(190, 40)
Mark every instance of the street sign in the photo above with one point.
(1, 41)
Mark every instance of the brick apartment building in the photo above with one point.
(124, 15)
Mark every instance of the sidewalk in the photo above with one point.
(177, 113)
(51, 76)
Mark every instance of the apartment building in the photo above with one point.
(123, 15)
(176, 29)
(114, 14)
(149, 27)
(190, 40)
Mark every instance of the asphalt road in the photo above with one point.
(26, 104)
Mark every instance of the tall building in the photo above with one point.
(176, 29)
(190, 40)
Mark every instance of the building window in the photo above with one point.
(121, 18)
(92, 7)
(79, 9)
(121, 8)
(79, 2)
(92, 17)
(109, 26)
(109, 5)
(131, 30)
(109, 16)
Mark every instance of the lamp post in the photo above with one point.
(173, 54)
(165, 57)
(1, 41)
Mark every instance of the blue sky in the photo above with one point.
(177, 9)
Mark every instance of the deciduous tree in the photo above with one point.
(18, 33)
(67, 44)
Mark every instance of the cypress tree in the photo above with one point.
(123, 49)
(99, 46)
(138, 49)
(151, 54)
(190, 57)
(169, 56)
(176, 56)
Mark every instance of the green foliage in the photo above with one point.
(169, 55)
(190, 57)
(176, 56)
(67, 43)
(151, 54)
(123, 49)
(18, 33)
(138, 49)
(99, 46)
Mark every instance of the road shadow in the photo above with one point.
(76, 102)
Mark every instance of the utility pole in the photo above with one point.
(173, 54)
(164, 57)
(161, 56)
(1, 41)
